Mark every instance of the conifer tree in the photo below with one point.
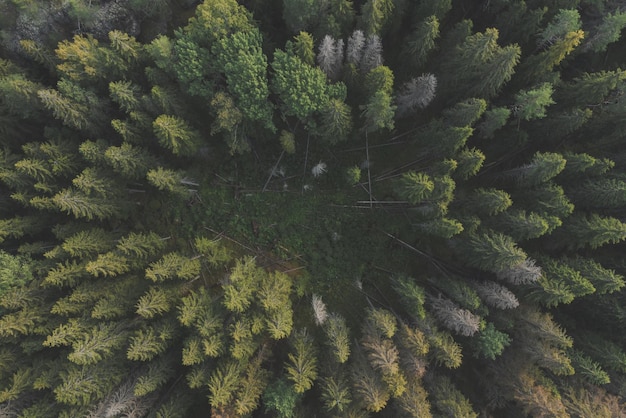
(607, 32)
(417, 93)
(375, 14)
(175, 134)
(491, 251)
(335, 394)
(88, 242)
(459, 320)
(593, 231)
(245, 66)
(128, 160)
(84, 206)
(302, 365)
(330, 56)
(421, 41)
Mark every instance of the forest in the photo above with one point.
(312, 208)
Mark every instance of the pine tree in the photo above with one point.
(415, 187)
(564, 22)
(589, 369)
(490, 342)
(496, 295)
(414, 403)
(227, 120)
(421, 41)
(302, 47)
(379, 112)
(606, 32)
(86, 385)
(603, 193)
(241, 286)
(417, 93)
(354, 47)
(173, 265)
(491, 251)
(94, 182)
(604, 280)
(336, 121)
(302, 365)
(82, 57)
(108, 264)
(375, 14)
(493, 120)
(593, 231)
(140, 245)
(241, 59)
(459, 320)
(371, 57)
(531, 104)
(19, 96)
(97, 343)
(167, 180)
(88, 242)
(300, 15)
(448, 400)
(335, 394)
(128, 160)
(84, 206)
(251, 388)
(125, 94)
(520, 225)
(469, 163)
(330, 56)
(70, 113)
(338, 336)
(542, 168)
(223, 384)
(411, 295)
(175, 134)
(146, 345)
(464, 113)
(488, 201)
(155, 302)
(368, 389)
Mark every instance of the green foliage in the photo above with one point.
(490, 343)
(378, 112)
(375, 14)
(301, 15)
(607, 32)
(128, 288)
(469, 163)
(415, 187)
(302, 365)
(531, 104)
(338, 337)
(411, 295)
(491, 251)
(240, 57)
(465, 113)
(564, 22)
(589, 369)
(449, 401)
(175, 134)
(593, 231)
(15, 271)
(335, 121)
(445, 351)
(280, 398)
(422, 40)
(313, 92)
